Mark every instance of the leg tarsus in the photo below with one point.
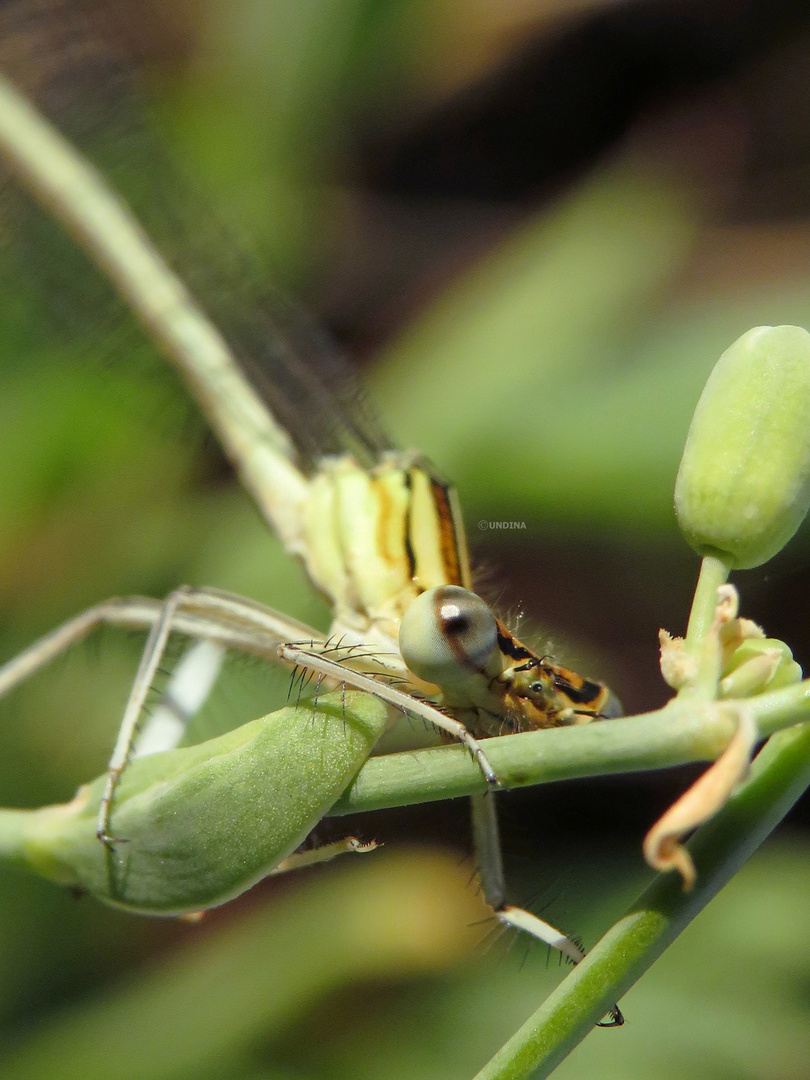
(300, 859)
(490, 869)
(616, 1018)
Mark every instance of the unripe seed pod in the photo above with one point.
(743, 487)
(201, 824)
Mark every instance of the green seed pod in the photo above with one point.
(743, 487)
(201, 824)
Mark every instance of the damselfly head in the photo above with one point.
(549, 695)
(449, 637)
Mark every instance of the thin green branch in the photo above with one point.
(683, 731)
(779, 775)
(714, 571)
(670, 736)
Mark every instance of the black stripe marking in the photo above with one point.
(447, 530)
(510, 647)
(409, 552)
(582, 695)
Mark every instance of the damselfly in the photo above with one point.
(379, 531)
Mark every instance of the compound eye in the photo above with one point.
(446, 634)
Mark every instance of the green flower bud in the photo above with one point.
(743, 487)
(201, 824)
(756, 665)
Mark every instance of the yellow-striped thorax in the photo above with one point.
(377, 538)
(387, 546)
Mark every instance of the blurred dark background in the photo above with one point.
(536, 226)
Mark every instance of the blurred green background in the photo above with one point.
(536, 225)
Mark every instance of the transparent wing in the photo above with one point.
(59, 56)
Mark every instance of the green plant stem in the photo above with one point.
(683, 731)
(779, 775)
(702, 644)
(714, 571)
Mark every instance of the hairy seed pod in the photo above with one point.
(743, 487)
(201, 824)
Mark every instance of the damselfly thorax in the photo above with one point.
(386, 544)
